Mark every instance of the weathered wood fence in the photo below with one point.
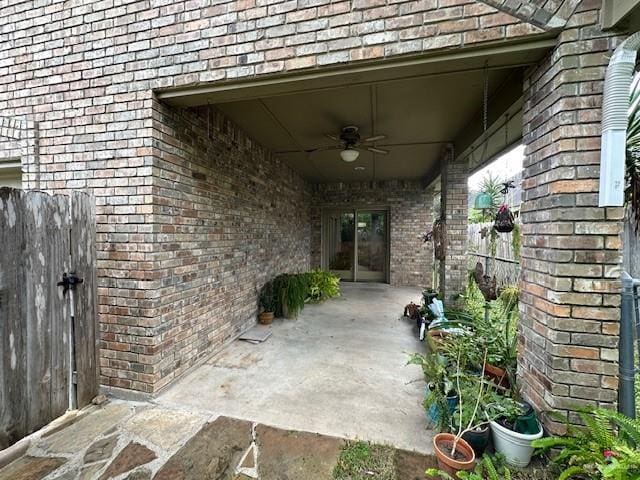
(506, 266)
(42, 237)
(631, 245)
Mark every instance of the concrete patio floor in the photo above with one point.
(339, 370)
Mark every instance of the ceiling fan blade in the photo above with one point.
(309, 150)
(381, 151)
(375, 138)
(332, 136)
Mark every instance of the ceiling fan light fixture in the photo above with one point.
(349, 155)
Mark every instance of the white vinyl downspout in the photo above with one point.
(615, 107)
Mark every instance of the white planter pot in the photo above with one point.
(516, 447)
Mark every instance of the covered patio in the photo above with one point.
(339, 369)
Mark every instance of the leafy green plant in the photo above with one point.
(291, 292)
(439, 386)
(632, 185)
(323, 285)
(498, 333)
(268, 299)
(491, 185)
(516, 240)
(505, 409)
(476, 394)
(489, 468)
(605, 449)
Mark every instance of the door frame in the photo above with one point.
(326, 211)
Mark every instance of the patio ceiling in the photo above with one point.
(419, 116)
(420, 106)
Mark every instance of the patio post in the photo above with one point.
(453, 271)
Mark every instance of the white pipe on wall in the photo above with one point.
(615, 107)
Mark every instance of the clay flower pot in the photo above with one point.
(497, 374)
(465, 458)
(265, 318)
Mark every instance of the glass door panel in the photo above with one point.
(372, 246)
(339, 242)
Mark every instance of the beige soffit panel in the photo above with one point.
(615, 13)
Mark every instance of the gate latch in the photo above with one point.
(69, 282)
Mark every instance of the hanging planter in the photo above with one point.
(505, 221)
(439, 239)
(487, 285)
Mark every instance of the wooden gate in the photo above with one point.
(42, 237)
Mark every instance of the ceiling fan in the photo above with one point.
(350, 143)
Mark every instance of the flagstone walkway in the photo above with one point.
(134, 441)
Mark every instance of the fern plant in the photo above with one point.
(489, 468)
(632, 186)
(603, 450)
(323, 285)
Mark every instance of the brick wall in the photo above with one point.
(570, 247)
(409, 204)
(454, 208)
(85, 73)
(226, 218)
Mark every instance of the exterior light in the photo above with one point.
(483, 201)
(349, 155)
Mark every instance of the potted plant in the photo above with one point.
(454, 454)
(268, 304)
(291, 292)
(477, 433)
(498, 334)
(507, 418)
(440, 397)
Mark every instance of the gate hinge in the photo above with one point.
(74, 377)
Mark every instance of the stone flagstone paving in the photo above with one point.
(139, 441)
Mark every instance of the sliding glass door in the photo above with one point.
(355, 244)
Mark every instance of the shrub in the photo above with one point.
(604, 449)
(323, 285)
(268, 299)
(292, 290)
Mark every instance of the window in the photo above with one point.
(10, 173)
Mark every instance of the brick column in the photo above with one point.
(453, 271)
(571, 248)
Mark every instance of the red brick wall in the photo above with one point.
(570, 248)
(455, 209)
(85, 73)
(409, 204)
(226, 218)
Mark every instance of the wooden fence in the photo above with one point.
(42, 237)
(631, 244)
(506, 266)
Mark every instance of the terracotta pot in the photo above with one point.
(497, 374)
(265, 318)
(442, 444)
(438, 337)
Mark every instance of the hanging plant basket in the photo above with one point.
(439, 239)
(487, 285)
(505, 221)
